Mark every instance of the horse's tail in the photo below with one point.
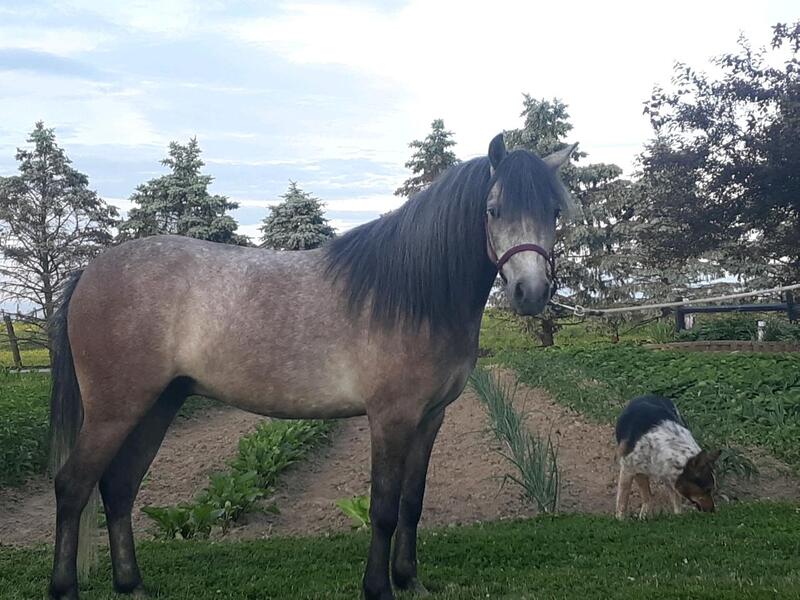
(66, 417)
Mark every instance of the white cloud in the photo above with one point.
(86, 113)
(166, 17)
(60, 41)
(468, 62)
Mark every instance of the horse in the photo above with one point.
(383, 321)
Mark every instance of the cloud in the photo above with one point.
(469, 63)
(46, 63)
(89, 114)
(51, 40)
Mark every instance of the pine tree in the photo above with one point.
(180, 203)
(51, 223)
(431, 158)
(297, 223)
(592, 250)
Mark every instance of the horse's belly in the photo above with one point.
(300, 401)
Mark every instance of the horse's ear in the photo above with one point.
(497, 151)
(556, 160)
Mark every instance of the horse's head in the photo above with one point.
(525, 199)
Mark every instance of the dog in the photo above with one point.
(653, 442)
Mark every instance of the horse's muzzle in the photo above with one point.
(526, 298)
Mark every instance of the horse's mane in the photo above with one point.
(427, 260)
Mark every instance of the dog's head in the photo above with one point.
(696, 483)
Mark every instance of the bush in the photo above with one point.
(742, 327)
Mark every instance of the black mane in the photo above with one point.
(427, 260)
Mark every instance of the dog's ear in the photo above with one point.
(713, 456)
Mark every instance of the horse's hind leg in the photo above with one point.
(121, 480)
(404, 560)
(99, 440)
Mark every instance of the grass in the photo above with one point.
(24, 418)
(24, 424)
(743, 398)
(744, 551)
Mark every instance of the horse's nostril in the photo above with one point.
(519, 292)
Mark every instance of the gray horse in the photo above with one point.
(382, 321)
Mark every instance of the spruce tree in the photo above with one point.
(297, 223)
(431, 158)
(179, 202)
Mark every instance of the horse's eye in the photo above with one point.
(491, 211)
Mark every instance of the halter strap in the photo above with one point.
(549, 258)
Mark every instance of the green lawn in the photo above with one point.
(744, 551)
(748, 399)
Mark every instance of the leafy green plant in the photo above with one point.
(232, 494)
(263, 456)
(184, 521)
(534, 457)
(357, 508)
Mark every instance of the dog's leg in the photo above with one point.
(644, 489)
(623, 491)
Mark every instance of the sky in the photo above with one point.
(329, 94)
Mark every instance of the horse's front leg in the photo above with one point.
(391, 438)
(404, 559)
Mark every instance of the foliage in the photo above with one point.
(742, 326)
(297, 223)
(184, 521)
(24, 425)
(263, 456)
(720, 176)
(751, 399)
(743, 551)
(431, 158)
(534, 457)
(597, 264)
(51, 223)
(180, 203)
(357, 508)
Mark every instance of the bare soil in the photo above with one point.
(465, 482)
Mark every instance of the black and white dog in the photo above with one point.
(653, 442)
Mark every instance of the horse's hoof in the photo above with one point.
(382, 595)
(416, 588)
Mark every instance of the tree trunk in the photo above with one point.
(547, 335)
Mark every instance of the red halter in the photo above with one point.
(515, 250)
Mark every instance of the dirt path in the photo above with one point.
(195, 446)
(464, 482)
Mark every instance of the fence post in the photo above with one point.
(12, 341)
(791, 307)
(680, 318)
